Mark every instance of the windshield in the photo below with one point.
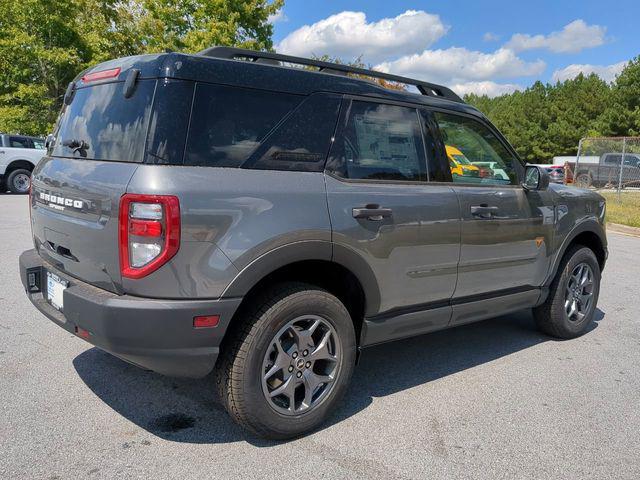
(101, 124)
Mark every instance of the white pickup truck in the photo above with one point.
(19, 154)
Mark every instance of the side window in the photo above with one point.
(228, 123)
(379, 142)
(38, 144)
(475, 154)
(302, 141)
(20, 142)
(169, 121)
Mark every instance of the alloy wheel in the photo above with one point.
(301, 364)
(579, 293)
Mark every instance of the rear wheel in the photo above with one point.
(19, 181)
(573, 295)
(584, 180)
(289, 363)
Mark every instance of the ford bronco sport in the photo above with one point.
(266, 217)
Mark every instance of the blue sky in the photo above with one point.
(488, 47)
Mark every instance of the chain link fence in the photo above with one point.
(610, 165)
(605, 163)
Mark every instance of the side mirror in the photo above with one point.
(535, 178)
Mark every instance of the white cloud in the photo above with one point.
(607, 72)
(278, 17)
(490, 37)
(488, 88)
(348, 35)
(574, 37)
(459, 65)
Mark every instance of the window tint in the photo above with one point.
(380, 142)
(102, 124)
(169, 122)
(20, 142)
(475, 154)
(228, 123)
(302, 141)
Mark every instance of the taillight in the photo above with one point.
(149, 232)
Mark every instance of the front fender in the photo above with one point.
(589, 224)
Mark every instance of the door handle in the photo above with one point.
(372, 212)
(483, 211)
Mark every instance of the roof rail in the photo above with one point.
(232, 53)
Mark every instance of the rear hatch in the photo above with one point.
(76, 190)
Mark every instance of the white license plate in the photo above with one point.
(55, 288)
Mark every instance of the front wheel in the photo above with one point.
(289, 363)
(19, 181)
(573, 295)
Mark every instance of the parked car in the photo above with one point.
(556, 172)
(606, 171)
(229, 212)
(18, 156)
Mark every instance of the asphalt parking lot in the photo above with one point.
(491, 400)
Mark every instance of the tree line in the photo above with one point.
(548, 120)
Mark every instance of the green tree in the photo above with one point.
(622, 115)
(44, 44)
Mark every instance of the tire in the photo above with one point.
(552, 316)
(245, 359)
(583, 180)
(16, 182)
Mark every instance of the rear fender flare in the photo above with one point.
(290, 253)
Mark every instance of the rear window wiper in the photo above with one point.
(77, 146)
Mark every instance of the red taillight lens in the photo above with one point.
(149, 236)
(145, 228)
(101, 75)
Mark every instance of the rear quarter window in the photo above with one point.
(301, 142)
(229, 123)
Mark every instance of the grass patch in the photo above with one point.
(623, 209)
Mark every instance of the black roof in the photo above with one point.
(269, 76)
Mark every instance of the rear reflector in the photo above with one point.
(101, 75)
(82, 333)
(206, 321)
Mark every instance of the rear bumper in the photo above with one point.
(154, 334)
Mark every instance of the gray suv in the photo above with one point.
(266, 218)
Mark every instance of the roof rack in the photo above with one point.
(232, 53)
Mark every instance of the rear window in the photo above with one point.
(101, 124)
(228, 123)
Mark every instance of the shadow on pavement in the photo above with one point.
(185, 410)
